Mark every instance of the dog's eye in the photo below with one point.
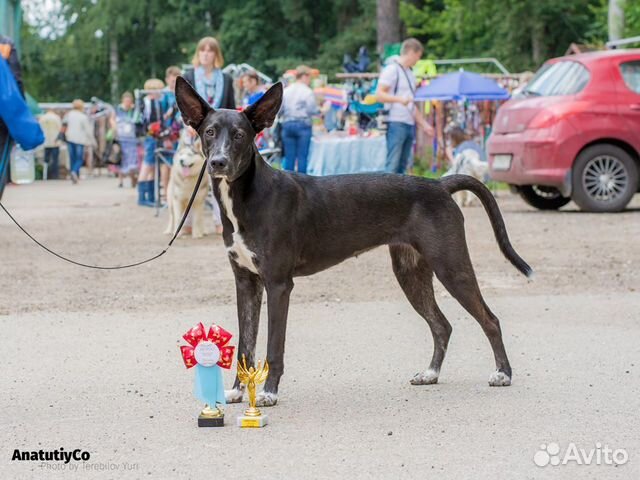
(210, 132)
(239, 135)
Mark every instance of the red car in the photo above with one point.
(573, 133)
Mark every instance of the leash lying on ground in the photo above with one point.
(175, 235)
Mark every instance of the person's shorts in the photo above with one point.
(150, 145)
(168, 158)
(168, 151)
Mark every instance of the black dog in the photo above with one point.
(279, 225)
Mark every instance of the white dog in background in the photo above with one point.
(468, 162)
(187, 163)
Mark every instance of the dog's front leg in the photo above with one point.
(278, 307)
(249, 289)
(197, 230)
(171, 227)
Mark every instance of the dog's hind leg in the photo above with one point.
(278, 307)
(452, 265)
(249, 290)
(416, 280)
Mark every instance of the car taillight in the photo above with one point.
(544, 119)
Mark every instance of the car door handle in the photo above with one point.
(635, 106)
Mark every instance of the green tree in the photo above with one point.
(112, 45)
(520, 33)
(274, 36)
(104, 47)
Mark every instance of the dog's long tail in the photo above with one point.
(455, 183)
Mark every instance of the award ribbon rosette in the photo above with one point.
(208, 352)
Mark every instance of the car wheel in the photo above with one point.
(605, 177)
(543, 198)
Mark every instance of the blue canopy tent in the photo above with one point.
(462, 86)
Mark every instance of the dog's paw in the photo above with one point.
(429, 377)
(233, 396)
(168, 232)
(499, 379)
(266, 399)
(195, 234)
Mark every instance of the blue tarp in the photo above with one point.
(23, 127)
(462, 86)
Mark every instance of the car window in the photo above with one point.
(631, 74)
(560, 78)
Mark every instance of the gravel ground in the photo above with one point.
(91, 358)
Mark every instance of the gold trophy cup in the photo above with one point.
(251, 377)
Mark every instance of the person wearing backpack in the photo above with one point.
(396, 88)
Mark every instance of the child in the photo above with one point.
(458, 141)
(123, 123)
(251, 86)
(467, 158)
(153, 118)
(171, 123)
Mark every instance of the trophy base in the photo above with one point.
(245, 421)
(204, 421)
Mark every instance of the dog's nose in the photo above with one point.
(218, 162)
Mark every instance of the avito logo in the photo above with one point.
(550, 454)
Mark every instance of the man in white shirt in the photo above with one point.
(298, 108)
(396, 88)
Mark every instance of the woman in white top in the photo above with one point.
(298, 108)
(78, 134)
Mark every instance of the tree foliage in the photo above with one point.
(275, 35)
(520, 33)
(271, 35)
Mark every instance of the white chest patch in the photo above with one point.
(243, 256)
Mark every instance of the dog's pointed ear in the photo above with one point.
(262, 113)
(192, 107)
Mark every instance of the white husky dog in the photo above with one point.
(467, 162)
(187, 163)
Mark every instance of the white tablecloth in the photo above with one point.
(335, 155)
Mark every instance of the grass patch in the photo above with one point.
(420, 171)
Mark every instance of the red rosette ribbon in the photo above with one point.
(217, 335)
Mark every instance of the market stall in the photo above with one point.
(350, 139)
(465, 99)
